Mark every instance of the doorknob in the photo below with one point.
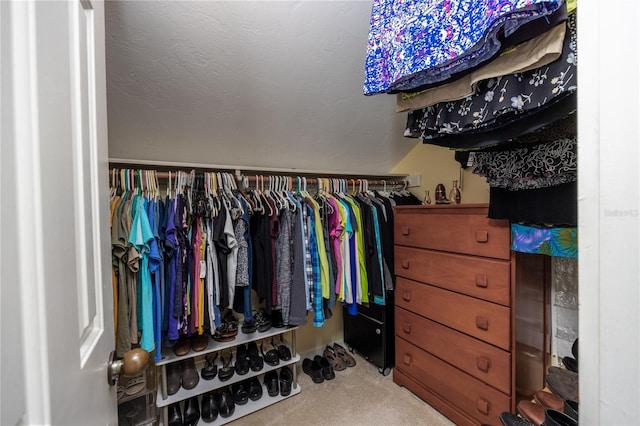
(130, 365)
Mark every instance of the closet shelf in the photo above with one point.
(209, 385)
(214, 346)
(253, 406)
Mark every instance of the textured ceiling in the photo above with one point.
(269, 83)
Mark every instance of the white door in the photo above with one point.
(57, 312)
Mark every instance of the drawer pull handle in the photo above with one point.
(406, 359)
(405, 264)
(482, 323)
(406, 327)
(482, 405)
(406, 295)
(405, 230)
(481, 280)
(483, 363)
(482, 236)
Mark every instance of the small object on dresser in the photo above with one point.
(441, 195)
(427, 198)
(455, 195)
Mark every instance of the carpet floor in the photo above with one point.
(357, 396)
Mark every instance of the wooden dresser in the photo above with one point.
(455, 316)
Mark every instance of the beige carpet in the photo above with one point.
(357, 396)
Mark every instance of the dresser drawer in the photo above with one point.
(457, 233)
(486, 279)
(486, 321)
(479, 400)
(481, 360)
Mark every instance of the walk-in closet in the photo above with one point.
(308, 212)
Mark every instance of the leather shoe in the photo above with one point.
(226, 406)
(570, 363)
(240, 393)
(199, 342)
(210, 369)
(271, 382)
(175, 415)
(509, 419)
(190, 377)
(549, 400)
(325, 366)
(182, 346)
(255, 389)
(174, 377)
(312, 369)
(571, 409)
(563, 383)
(556, 418)
(532, 412)
(286, 378)
(209, 407)
(191, 411)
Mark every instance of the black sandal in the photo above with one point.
(210, 369)
(271, 357)
(227, 370)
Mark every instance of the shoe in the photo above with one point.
(571, 409)
(175, 415)
(348, 360)
(556, 418)
(549, 400)
(313, 370)
(271, 382)
(531, 411)
(570, 363)
(242, 360)
(276, 318)
(255, 389)
(255, 360)
(209, 407)
(509, 419)
(210, 369)
(262, 320)
(191, 412)
(271, 357)
(286, 378)
(182, 346)
(174, 377)
(136, 384)
(283, 351)
(327, 370)
(199, 342)
(563, 383)
(240, 393)
(249, 327)
(227, 370)
(574, 349)
(190, 377)
(226, 406)
(336, 362)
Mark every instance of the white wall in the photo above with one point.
(608, 212)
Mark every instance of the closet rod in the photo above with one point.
(311, 181)
(121, 163)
